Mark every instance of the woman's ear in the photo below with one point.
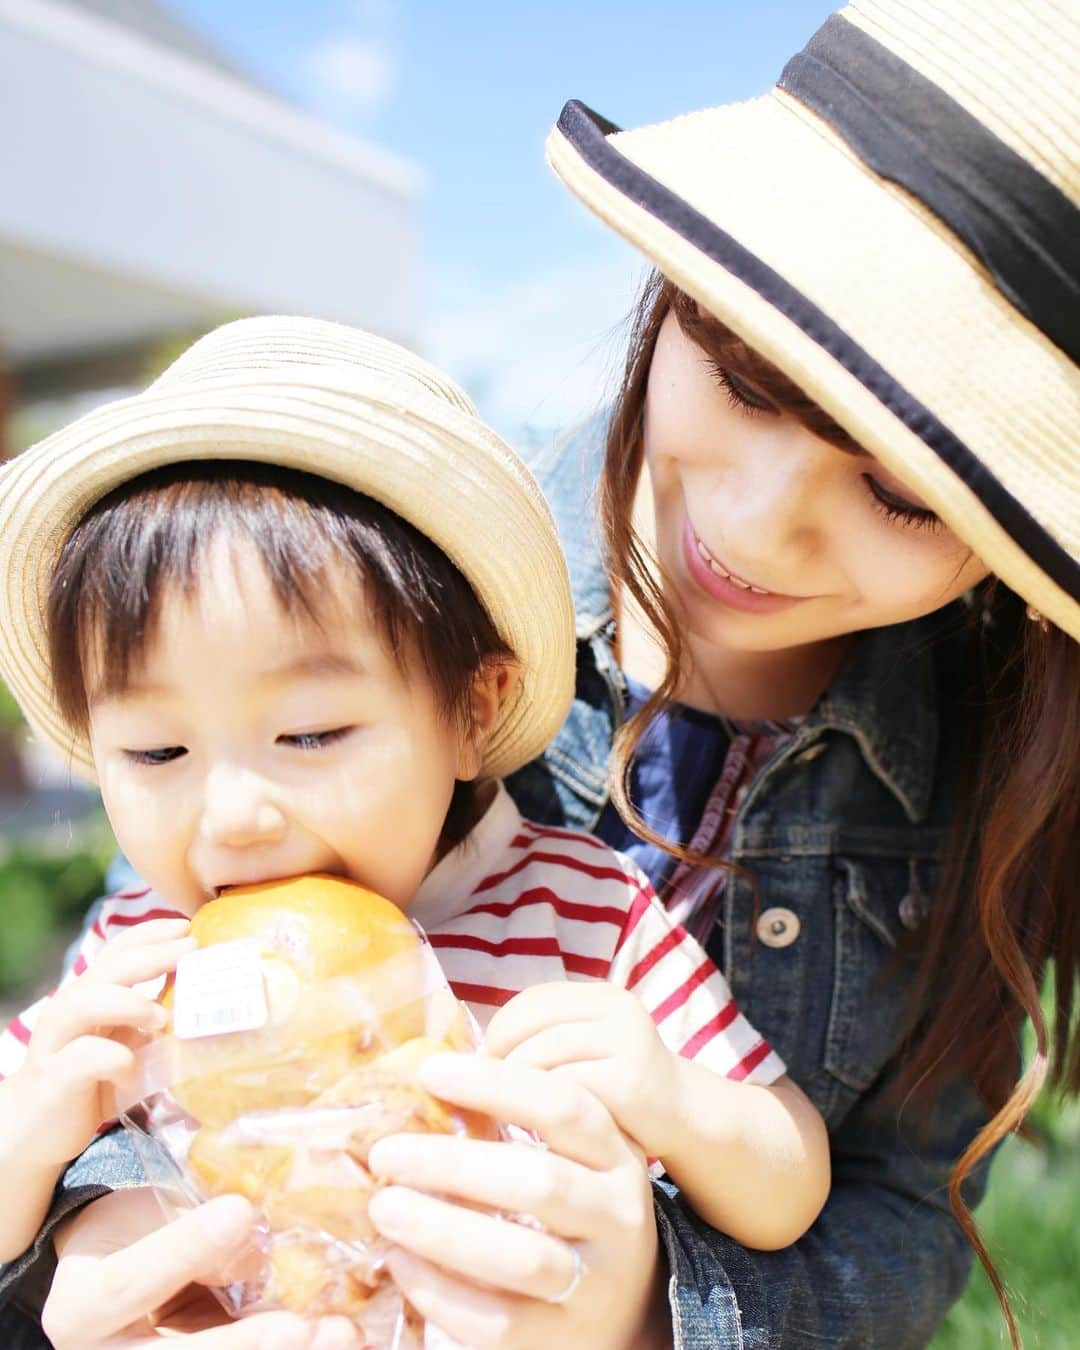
(493, 683)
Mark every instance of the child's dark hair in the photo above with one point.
(153, 531)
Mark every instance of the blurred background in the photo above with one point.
(170, 164)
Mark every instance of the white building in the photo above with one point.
(148, 188)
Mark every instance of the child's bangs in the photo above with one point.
(150, 537)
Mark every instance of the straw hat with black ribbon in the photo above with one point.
(329, 400)
(896, 226)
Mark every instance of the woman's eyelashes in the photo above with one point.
(889, 505)
(740, 394)
(315, 740)
(896, 509)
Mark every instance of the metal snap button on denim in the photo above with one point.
(913, 911)
(778, 927)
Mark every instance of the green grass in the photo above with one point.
(1030, 1222)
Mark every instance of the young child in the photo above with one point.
(296, 609)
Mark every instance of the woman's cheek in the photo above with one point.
(906, 578)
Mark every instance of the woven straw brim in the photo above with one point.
(788, 191)
(436, 465)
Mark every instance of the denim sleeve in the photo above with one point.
(881, 1265)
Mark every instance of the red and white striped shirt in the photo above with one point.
(519, 904)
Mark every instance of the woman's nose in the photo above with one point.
(780, 494)
(239, 809)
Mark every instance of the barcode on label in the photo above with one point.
(218, 990)
(219, 1019)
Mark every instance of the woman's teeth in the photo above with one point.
(708, 558)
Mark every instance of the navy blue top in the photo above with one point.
(678, 761)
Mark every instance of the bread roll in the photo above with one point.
(344, 979)
(289, 1112)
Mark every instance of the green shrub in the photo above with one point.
(10, 716)
(1029, 1222)
(46, 884)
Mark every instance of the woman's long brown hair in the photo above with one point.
(1014, 854)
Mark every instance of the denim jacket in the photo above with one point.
(843, 830)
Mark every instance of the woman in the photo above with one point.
(847, 583)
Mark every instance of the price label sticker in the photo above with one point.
(218, 990)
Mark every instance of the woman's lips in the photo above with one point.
(735, 592)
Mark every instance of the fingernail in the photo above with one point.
(387, 1154)
(156, 1019)
(226, 1220)
(401, 1265)
(387, 1211)
(441, 1071)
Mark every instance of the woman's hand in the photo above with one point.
(590, 1279)
(126, 1280)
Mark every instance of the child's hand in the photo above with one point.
(604, 1039)
(82, 1044)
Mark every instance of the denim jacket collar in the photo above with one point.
(884, 696)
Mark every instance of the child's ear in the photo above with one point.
(493, 684)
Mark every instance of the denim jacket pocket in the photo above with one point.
(870, 979)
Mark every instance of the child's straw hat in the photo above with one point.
(329, 400)
(896, 226)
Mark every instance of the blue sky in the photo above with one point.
(523, 289)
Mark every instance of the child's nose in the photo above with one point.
(239, 810)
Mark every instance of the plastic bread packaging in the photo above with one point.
(296, 1030)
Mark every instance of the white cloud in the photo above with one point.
(343, 70)
(542, 352)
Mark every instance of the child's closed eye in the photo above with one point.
(164, 754)
(315, 740)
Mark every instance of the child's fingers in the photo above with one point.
(148, 931)
(565, 1116)
(84, 1006)
(542, 1006)
(85, 1063)
(567, 1043)
(133, 965)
